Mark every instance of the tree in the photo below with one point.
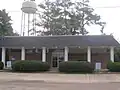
(86, 17)
(64, 17)
(45, 15)
(54, 17)
(5, 24)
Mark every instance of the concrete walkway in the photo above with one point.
(60, 78)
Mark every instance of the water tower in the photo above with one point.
(28, 18)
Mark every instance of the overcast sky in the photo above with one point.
(110, 15)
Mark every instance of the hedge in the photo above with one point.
(114, 66)
(29, 66)
(1, 65)
(76, 67)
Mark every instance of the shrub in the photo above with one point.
(30, 66)
(114, 66)
(1, 65)
(76, 67)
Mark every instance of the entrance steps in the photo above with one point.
(53, 70)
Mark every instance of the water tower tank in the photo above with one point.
(29, 7)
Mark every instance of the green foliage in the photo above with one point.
(30, 66)
(76, 67)
(114, 66)
(5, 24)
(1, 65)
(65, 17)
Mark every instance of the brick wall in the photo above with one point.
(100, 57)
(16, 55)
(33, 56)
(103, 58)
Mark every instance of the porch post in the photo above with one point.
(23, 53)
(43, 54)
(89, 54)
(66, 54)
(3, 55)
(112, 54)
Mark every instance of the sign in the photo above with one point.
(8, 64)
(98, 66)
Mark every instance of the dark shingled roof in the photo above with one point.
(59, 41)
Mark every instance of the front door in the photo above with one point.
(55, 61)
(57, 57)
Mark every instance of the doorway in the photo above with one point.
(55, 62)
(57, 57)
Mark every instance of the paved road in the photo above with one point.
(45, 81)
(59, 78)
(38, 85)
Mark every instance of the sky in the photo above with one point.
(110, 15)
